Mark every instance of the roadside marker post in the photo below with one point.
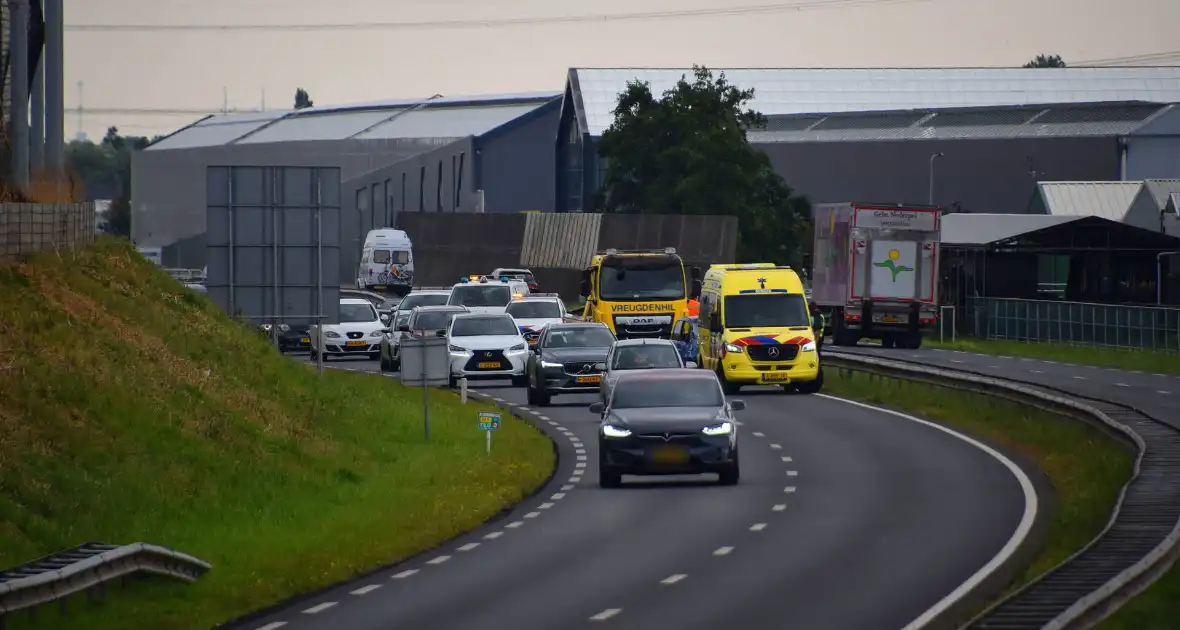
(489, 421)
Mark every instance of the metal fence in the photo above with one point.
(1080, 323)
(31, 228)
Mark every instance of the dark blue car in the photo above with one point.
(684, 335)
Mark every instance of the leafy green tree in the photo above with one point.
(105, 170)
(686, 152)
(1046, 61)
(302, 99)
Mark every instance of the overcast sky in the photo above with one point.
(163, 69)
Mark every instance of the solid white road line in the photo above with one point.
(493, 535)
(365, 590)
(757, 527)
(438, 560)
(404, 574)
(468, 547)
(318, 608)
(1031, 506)
(606, 614)
(722, 551)
(273, 626)
(780, 507)
(672, 579)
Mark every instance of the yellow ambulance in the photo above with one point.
(754, 328)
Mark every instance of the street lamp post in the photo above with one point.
(930, 197)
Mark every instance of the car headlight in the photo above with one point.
(610, 430)
(729, 347)
(331, 334)
(453, 348)
(520, 347)
(376, 333)
(284, 328)
(550, 364)
(808, 347)
(725, 428)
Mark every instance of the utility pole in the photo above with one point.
(55, 104)
(18, 38)
(37, 122)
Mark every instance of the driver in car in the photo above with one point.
(637, 359)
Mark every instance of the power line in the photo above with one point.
(1158, 57)
(782, 7)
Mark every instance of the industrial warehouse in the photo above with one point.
(970, 140)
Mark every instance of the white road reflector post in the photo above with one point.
(463, 391)
(489, 421)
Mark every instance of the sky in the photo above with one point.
(153, 69)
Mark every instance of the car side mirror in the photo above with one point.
(737, 405)
(696, 289)
(596, 408)
(690, 364)
(601, 367)
(584, 287)
(403, 328)
(440, 333)
(386, 331)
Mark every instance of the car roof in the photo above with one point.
(434, 308)
(355, 301)
(665, 374)
(644, 342)
(470, 315)
(564, 325)
(440, 291)
(533, 297)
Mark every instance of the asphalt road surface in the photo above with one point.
(846, 518)
(1157, 395)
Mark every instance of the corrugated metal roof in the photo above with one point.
(1109, 200)
(1161, 190)
(448, 122)
(984, 229)
(517, 97)
(217, 130)
(334, 126)
(779, 91)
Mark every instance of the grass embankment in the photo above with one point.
(1141, 360)
(1086, 467)
(1157, 608)
(134, 410)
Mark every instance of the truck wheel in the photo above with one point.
(726, 386)
(914, 341)
(888, 341)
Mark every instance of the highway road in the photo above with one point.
(846, 517)
(1157, 395)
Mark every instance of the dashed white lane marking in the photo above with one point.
(552, 423)
(787, 458)
(757, 527)
(558, 495)
(789, 489)
(777, 447)
(545, 418)
(994, 367)
(581, 458)
(468, 547)
(404, 574)
(438, 560)
(722, 551)
(497, 399)
(514, 524)
(780, 507)
(1160, 375)
(1121, 385)
(1036, 371)
(759, 434)
(532, 515)
(523, 408)
(545, 506)
(580, 465)
(318, 608)
(580, 451)
(1160, 391)
(568, 486)
(273, 626)
(606, 614)
(792, 473)
(1080, 378)
(955, 361)
(575, 479)
(493, 535)
(672, 579)
(365, 590)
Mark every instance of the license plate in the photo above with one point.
(358, 343)
(489, 365)
(893, 319)
(305, 340)
(588, 379)
(669, 455)
(775, 377)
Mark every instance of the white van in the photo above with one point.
(387, 261)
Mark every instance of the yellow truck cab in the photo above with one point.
(638, 293)
(755, 328)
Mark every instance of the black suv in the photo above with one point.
(563, 361)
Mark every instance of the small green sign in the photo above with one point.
(489, 420)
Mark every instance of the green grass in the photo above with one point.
(133, 410)
(1157, 608)
(1086, 467)
(1142, 360)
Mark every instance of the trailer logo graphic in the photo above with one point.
(890, 263)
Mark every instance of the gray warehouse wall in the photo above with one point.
(979, 175)
(516, 162)
(168, 186)
(1153, 152)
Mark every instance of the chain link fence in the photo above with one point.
(31, 228)
(1077, 323)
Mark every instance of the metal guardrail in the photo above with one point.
(1139, 543)
(87, 566)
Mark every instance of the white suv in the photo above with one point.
(486, 346)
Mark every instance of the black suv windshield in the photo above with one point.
(672, 392)
(638, 280)
(535, 310)
(580, 337)
(433, 320)
(476, 295)
(476, 326)
(645, 356)
(422, 299)
(350, 313)
(765, 310)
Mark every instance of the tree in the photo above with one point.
(302, 99)
(1046, 61)
(105, 170)
(687, 153)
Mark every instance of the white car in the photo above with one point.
(359, 332)
(486, 346)
(481, 294)
(533, 313)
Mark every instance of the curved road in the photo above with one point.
(1158, 395)
(846, 517)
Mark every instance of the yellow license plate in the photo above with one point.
(775, 377)
(306, 340)
(589, 379)
(891, 319)
(669, 455)
(489, 365)
(358, 343)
